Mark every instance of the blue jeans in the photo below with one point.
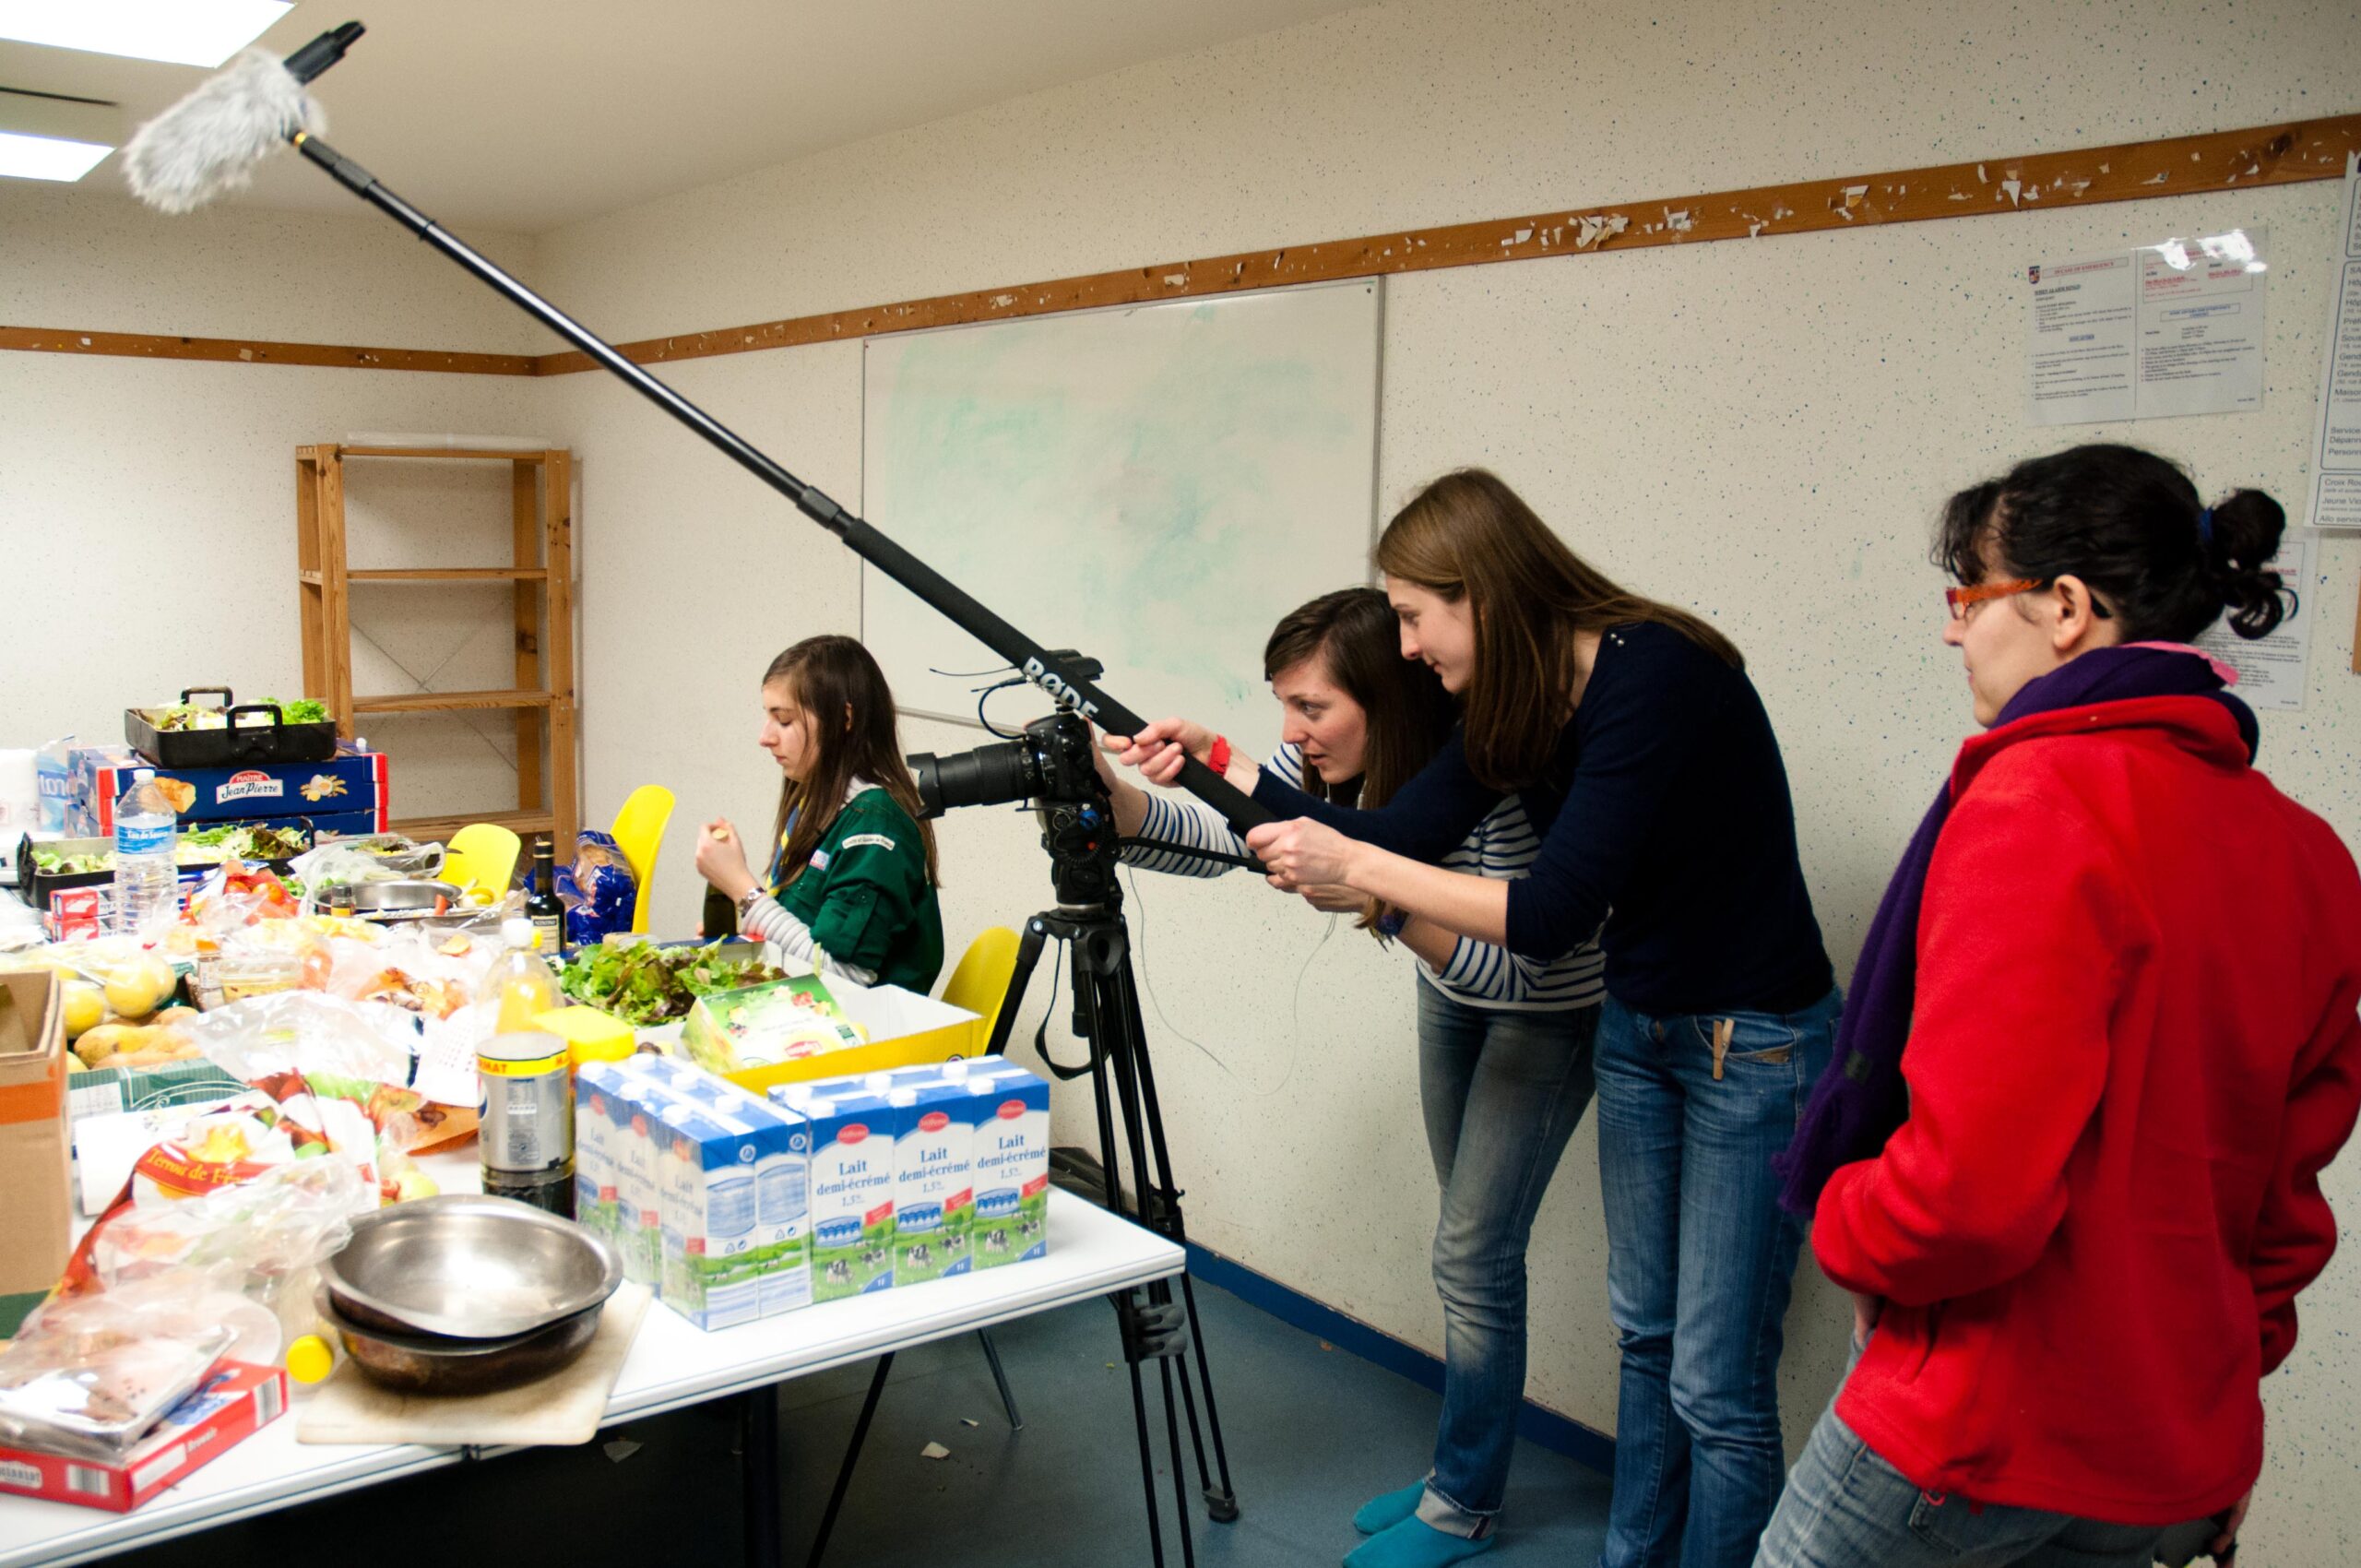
(1845, 1507)
(1700, 1258)
(1501, 1092)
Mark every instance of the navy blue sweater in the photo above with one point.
(1663, 812)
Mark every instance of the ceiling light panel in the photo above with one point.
(182, 32)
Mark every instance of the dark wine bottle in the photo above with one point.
(542, 905)
(721, 915)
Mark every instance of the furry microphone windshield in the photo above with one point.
(208, 144)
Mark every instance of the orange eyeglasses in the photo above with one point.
(1960, 598)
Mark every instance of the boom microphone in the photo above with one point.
(208, 144)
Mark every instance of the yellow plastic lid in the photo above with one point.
(309, 1360)
(589, 1034)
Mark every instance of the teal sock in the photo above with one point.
(1414, 1543)
(1384, 1513)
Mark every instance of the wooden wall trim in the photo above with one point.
(247, 351)
(2264, 155)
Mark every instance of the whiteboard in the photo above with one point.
(1153, 485)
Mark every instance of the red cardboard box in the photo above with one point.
(232, 1404)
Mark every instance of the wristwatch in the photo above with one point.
(746, 900)
(1390, 924)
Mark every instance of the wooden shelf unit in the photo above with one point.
(541, 542)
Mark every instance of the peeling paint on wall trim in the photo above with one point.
(2266, 155)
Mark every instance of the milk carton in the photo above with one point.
(1011, 1164)
(713, 1264)
(852, 1189)
(933, 1191)
(782, 1176)
(594, 1190)
(636, 1139)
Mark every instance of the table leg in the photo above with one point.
(759, 1483)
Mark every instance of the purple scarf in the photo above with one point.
(1862, 1098)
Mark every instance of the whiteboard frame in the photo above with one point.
(1374, 282)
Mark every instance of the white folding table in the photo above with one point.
(1092, 1255)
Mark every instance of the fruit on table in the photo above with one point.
(86, 1006)
(107, 1039)
(139, 987)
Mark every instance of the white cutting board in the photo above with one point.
(565, 1409)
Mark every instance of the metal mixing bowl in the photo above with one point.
(467, 1267)
(411, 900)
(427, 1363)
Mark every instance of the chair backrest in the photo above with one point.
(981, 982)
(639, 832)
(482, 854)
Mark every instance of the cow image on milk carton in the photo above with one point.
(852, 1190)
(713, 1267)
(782, 1174)
(934, 1188)
(1010, 1165)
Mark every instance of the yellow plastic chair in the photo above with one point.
(981, 982)
(639, 832)
(481, 855)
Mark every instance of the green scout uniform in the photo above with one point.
(866, 896)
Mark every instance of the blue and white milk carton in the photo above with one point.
(782, 1181)
(1011, 1164)
(852, 1131)
(933, 1181)
(638, 1140)
(595, 1192)
(713, 1263)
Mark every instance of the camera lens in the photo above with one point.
(985, 776)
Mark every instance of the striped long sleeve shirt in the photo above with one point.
(1502, 847)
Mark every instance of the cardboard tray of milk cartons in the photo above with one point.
(35, 1170)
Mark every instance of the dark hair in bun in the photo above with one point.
(2129, 524)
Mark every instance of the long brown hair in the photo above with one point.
(1468, 536)
(828, 676)
(1354, 636)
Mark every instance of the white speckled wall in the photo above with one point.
(1761, 431)
(149, 508)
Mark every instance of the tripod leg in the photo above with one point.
(852, 1457)
(1172, 1440)
(1221, 1501)
(1007, 1400)
(1147, 1462)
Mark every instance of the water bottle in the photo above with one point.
(147, 872)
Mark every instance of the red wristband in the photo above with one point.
(1218, 758)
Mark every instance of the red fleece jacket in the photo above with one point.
(2133, 1050)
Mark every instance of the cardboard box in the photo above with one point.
(905, 1030)
(235, 1401)
(351, 782)
(35, 1172)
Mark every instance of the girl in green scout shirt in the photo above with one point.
(851, 885)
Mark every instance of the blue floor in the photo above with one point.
(1312, 1433)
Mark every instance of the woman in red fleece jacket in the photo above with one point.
(2131, 1048)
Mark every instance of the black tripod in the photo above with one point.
(1081, 838)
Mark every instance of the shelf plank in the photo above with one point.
(523, 823)
(518, 454)
(449, 574)
(449, 702)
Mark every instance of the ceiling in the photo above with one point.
(524, 115)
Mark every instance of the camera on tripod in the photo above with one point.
(1050, 765)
